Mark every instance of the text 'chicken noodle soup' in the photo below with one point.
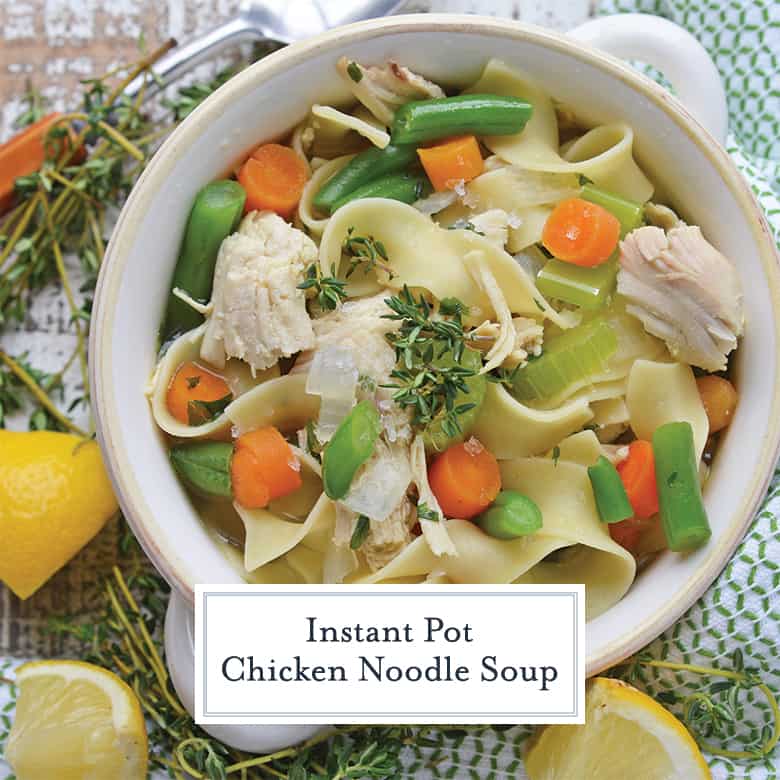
(446, 338)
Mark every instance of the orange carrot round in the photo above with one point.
(465, 479)
(263, 468)
(581, 232)
(719, 398)
(273, 178)
(193, 382)
(637, 472)
(452, 161)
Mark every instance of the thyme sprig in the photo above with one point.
(365, 252)
(428, 375)
(329, 291)
(715, 711)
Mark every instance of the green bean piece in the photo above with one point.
(611, 498)
(351, 446)
(435, 437)
(215, 215)
(360, 170)
(630, 213)
(405, 187)
(510, 516)
(683, 515)
(427, 120)
(205, 466)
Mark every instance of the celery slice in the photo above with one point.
(629, 212)
(571, 357)
(584, 287)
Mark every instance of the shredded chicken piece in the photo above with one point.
(389, 536)
(358, 325)
(381, 89)
(494, 225)
(434, 531)
(529, 335)
(259, 314)
(684, 291)
(386, 538)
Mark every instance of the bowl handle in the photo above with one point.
(671, 49)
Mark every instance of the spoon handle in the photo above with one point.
(184, 58)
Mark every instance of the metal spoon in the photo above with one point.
(283, 21)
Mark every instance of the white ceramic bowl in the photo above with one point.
(264, 102)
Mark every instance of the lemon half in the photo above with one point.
(626, 735)
(75, 721)
(55, 496)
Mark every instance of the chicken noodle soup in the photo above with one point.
(446, 338)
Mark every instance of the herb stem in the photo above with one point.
(74, 310)
(144, 64)
(40, 396)
(19, 229)
(111, 132)
(768, 746)
(291, 751)
(68, 184)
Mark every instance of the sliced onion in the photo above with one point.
(332, 412)
(531, 261)
(333, 375)
(436, 202)
(380, 485)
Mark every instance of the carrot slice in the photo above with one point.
(465, 479)
(263, 468)
(451, 162)
(581, 232)
(637, 473)
(273, 178)
(193, 382)
(25, 153)
(719, 398)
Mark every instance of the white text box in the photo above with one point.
(389, 654)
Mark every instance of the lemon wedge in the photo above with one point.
(55, 496)
(626, 735)
(75, 721)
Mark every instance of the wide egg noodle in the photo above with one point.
(306, 212)
(604, 154)
(379, 138)
(184, 349)
(526, 230)
(269, 535)
(660, 393)
(563, 492)
(282, 402)
(582, 447)
(510, 429)
(422, 254)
